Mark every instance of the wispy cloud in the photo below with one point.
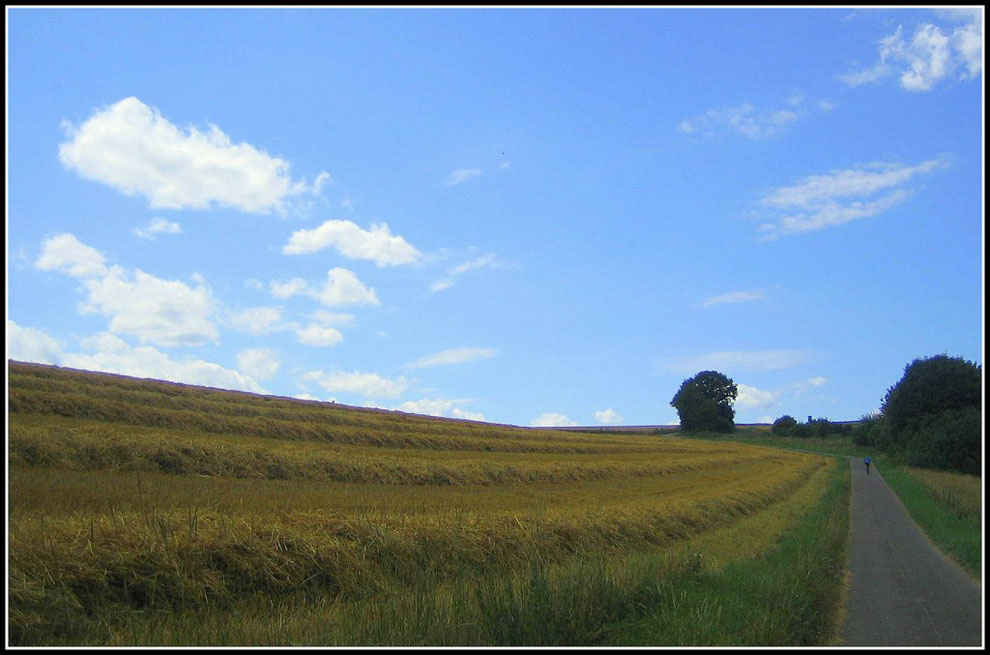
(461, 175)
(932, 54)
(820, 201)
(377, 244)
(736, 296)
(453, 356)
(731, 361)
(489, 260)
(132, 148)
(749, 121)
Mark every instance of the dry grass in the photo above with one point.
(961, 493)
(132, 495)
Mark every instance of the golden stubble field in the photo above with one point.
(132, 495)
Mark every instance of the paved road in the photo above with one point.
(903, 592)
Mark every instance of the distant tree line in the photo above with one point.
(932, 417)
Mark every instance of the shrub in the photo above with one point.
(784, 425)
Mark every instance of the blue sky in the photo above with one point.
(525, 216)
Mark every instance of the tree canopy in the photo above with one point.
(704, 402)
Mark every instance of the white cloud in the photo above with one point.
(746, 120)
(749, 397)
(157, 226)
(736, 296)
(462, 175)
(453, 356)
(439, 407)
(608, 417)
(288, 289)
(257, 320)
(134, 149)
(932, 54)
(332, 318)
(163, 312)
(114, 355)
(552, 419)
(341, 288)
(25, 344)
(259, 363)
(370, 385)
(376, 244)
(817, 381)
(740, 360)
(65, 253)
(820, 201)
(489, 260)
(318, 335)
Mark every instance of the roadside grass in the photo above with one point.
(947, 506)
(788, 596)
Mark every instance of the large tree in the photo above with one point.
(933, 414)
(704, 402)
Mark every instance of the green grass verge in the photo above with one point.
(957, 536)
(788, 597)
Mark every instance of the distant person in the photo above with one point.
(867, 462)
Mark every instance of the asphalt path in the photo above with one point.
(902, 590)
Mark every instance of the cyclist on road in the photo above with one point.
(867, 462)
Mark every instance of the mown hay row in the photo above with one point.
(100, 448)
(170, 559)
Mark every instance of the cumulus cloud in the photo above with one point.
(319, 335)
(453, 356)
(932, 54)
(112, 354)
(26, 344)
(736, 296)
(258, 363)
(462, 175)
(608, 417)
(66, 254)
(162, 312)
(370, 385)
(258, 321)
(439, 407)
(749, 397)
(741, 360)
(341, 288)
(840, 196)
(132, 148)
(377, 244)
(817, 381)
(157, 226)
(552, 419)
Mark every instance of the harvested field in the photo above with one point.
(133, 495)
